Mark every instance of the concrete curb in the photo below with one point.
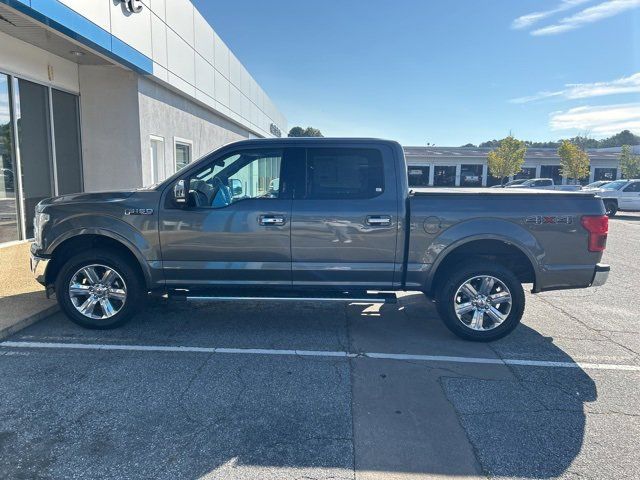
(24, 322)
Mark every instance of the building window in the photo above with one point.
(471, 176)
(526, 173)
(605, 174)
(551, 171)
(183, 153)
(158, 173)
(418, 176)
(444, 176)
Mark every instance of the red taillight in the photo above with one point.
(598, 227)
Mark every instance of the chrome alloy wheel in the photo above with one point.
(97, 291)
(482, 303)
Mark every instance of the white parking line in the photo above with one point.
(323, 353)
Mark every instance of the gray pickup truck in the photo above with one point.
(323, 219)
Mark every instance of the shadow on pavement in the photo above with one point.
(188, 415)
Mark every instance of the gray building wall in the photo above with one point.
(166, 114)
(110, 128)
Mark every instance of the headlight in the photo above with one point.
(39, 222)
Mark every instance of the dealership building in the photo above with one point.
(467, 166)
(110, 94)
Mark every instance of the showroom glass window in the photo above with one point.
(9, 226)
(40, 151)
(471, 176)
(418, 176)
(344, 173)
(34, 140)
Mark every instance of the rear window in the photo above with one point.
(344, 173)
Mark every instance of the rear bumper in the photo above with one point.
(600, 275)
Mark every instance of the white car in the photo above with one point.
(545, 184)
(621, 195)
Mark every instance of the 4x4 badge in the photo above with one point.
(549, 220)
(138, 211)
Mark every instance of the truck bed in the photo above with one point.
(494, 191)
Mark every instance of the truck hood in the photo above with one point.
(97, 197)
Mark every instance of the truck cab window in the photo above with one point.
(344, 173)
(240, 176)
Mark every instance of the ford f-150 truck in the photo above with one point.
(327, 219)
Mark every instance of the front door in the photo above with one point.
(630, 197)
(235, 228)
(345, 218)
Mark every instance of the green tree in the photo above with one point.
(305, 132)
(574, 162)
(629, 163)
(507, 158)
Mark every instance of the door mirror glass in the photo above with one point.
(236, 187)
(179, 192)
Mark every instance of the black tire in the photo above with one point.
(611, 208)
(132, 282)
(446, 296)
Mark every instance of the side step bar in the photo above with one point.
(329, 297)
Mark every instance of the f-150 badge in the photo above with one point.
(138, 211)
(549, 220)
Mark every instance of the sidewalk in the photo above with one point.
(22, 299)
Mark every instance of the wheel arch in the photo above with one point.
(491, 247)
(95, 238)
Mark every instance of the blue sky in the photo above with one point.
(442, 72)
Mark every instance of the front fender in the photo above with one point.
(483, 229)
(106, 226)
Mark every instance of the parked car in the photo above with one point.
(596, 185)
(620, 195)
(545, 184)
(518, 181)
(342, 222)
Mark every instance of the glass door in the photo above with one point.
(34, 142)
(9, 226)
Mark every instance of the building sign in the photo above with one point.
(134, 6)
(273, 128)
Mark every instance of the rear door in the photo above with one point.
(630, 197)
(345, 217)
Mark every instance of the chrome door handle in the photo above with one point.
(379, 220)
(271, 220)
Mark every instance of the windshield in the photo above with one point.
(528, 183)
(617, 185)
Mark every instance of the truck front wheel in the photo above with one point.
(98, 289)
(481, 301)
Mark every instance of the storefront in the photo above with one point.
(40, 144)
(468, 167)
(103, 95)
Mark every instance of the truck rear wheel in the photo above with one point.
(97, 289)
(611, 208)
(481, 301)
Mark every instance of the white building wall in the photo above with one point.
(188, 55)
(110, 126)
(167, 115)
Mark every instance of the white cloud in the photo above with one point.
(529, 19)
(588, 15)
(572, 91)
(598, 120)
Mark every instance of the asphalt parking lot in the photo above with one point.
(261, 391)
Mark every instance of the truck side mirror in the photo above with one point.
(179, 192)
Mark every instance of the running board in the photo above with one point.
(329, 297)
